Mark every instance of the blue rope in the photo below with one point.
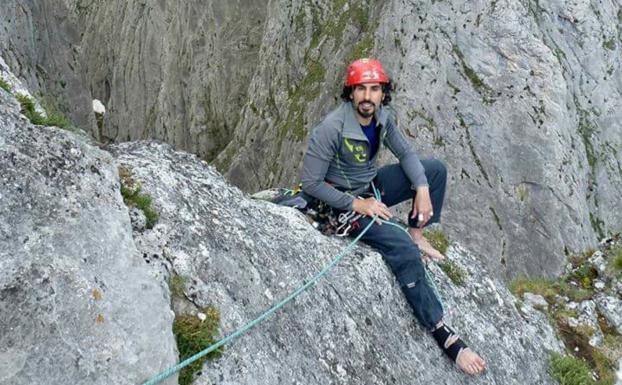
(170, 371)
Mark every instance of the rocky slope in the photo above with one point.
(77, 303)
(83, 298)
(520, 98)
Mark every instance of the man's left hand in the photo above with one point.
(422, 206)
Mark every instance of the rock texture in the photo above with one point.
(41, 43)
(522, 99)
(352, 327)
(77, 305)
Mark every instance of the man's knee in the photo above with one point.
(411, 272)
(437, 168)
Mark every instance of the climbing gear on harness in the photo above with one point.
(365, 71)
(443, 336)
(325, 218)
(348, 222)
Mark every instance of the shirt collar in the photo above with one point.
(352, 127)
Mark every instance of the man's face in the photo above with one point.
(366, 98)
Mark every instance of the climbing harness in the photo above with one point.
(348, 219)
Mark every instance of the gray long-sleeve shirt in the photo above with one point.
(338, 156)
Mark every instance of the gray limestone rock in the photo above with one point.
(352, 327)
(76, 304)
(611, 308)
(535, 300)
(587, 316)
(138, 219)
(521, 99)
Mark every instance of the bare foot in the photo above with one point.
(470, 362)
(467, 360)
(423, 244)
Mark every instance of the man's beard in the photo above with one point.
(366, 114)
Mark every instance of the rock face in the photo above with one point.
(520, 98)
(41, 43)
(352, 327)
(77, 305)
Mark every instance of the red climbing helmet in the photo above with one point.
(365, 71)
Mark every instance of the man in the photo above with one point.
(340, 166)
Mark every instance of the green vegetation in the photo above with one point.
(439, 141)
(598, 225)
(194, 335)
(454, 89)
(5, 85)
(176, 285)
(336, 22)
(586, 130)
(440, 242)
(577, 285)
(429, 121)
(477, 83)
(55, 119)
(569, 370)
(309, 88)
(457, 274)
(362, 49)
(437, 239)
(130, 190)
(542, 286)
(478, 162)
(615, 263)
(610, 44)
(560, 54)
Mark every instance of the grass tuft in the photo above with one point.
(615, 262)
(53, 119)
(437, 239)
(131, 192)
(454, 272)
(176, 284)
(5, 85)
(194, 335)
(568, 370)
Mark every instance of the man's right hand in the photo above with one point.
(371, 207)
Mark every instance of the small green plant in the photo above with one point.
(176, 285)
(549, 288)
(130, 190)
(610, 44)
(193, 335)
(55, 119)
(454, 272)
(437, 239)
(5, 85)
(569, 370)
(439, 141)
(615, 261)
(542, 286)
